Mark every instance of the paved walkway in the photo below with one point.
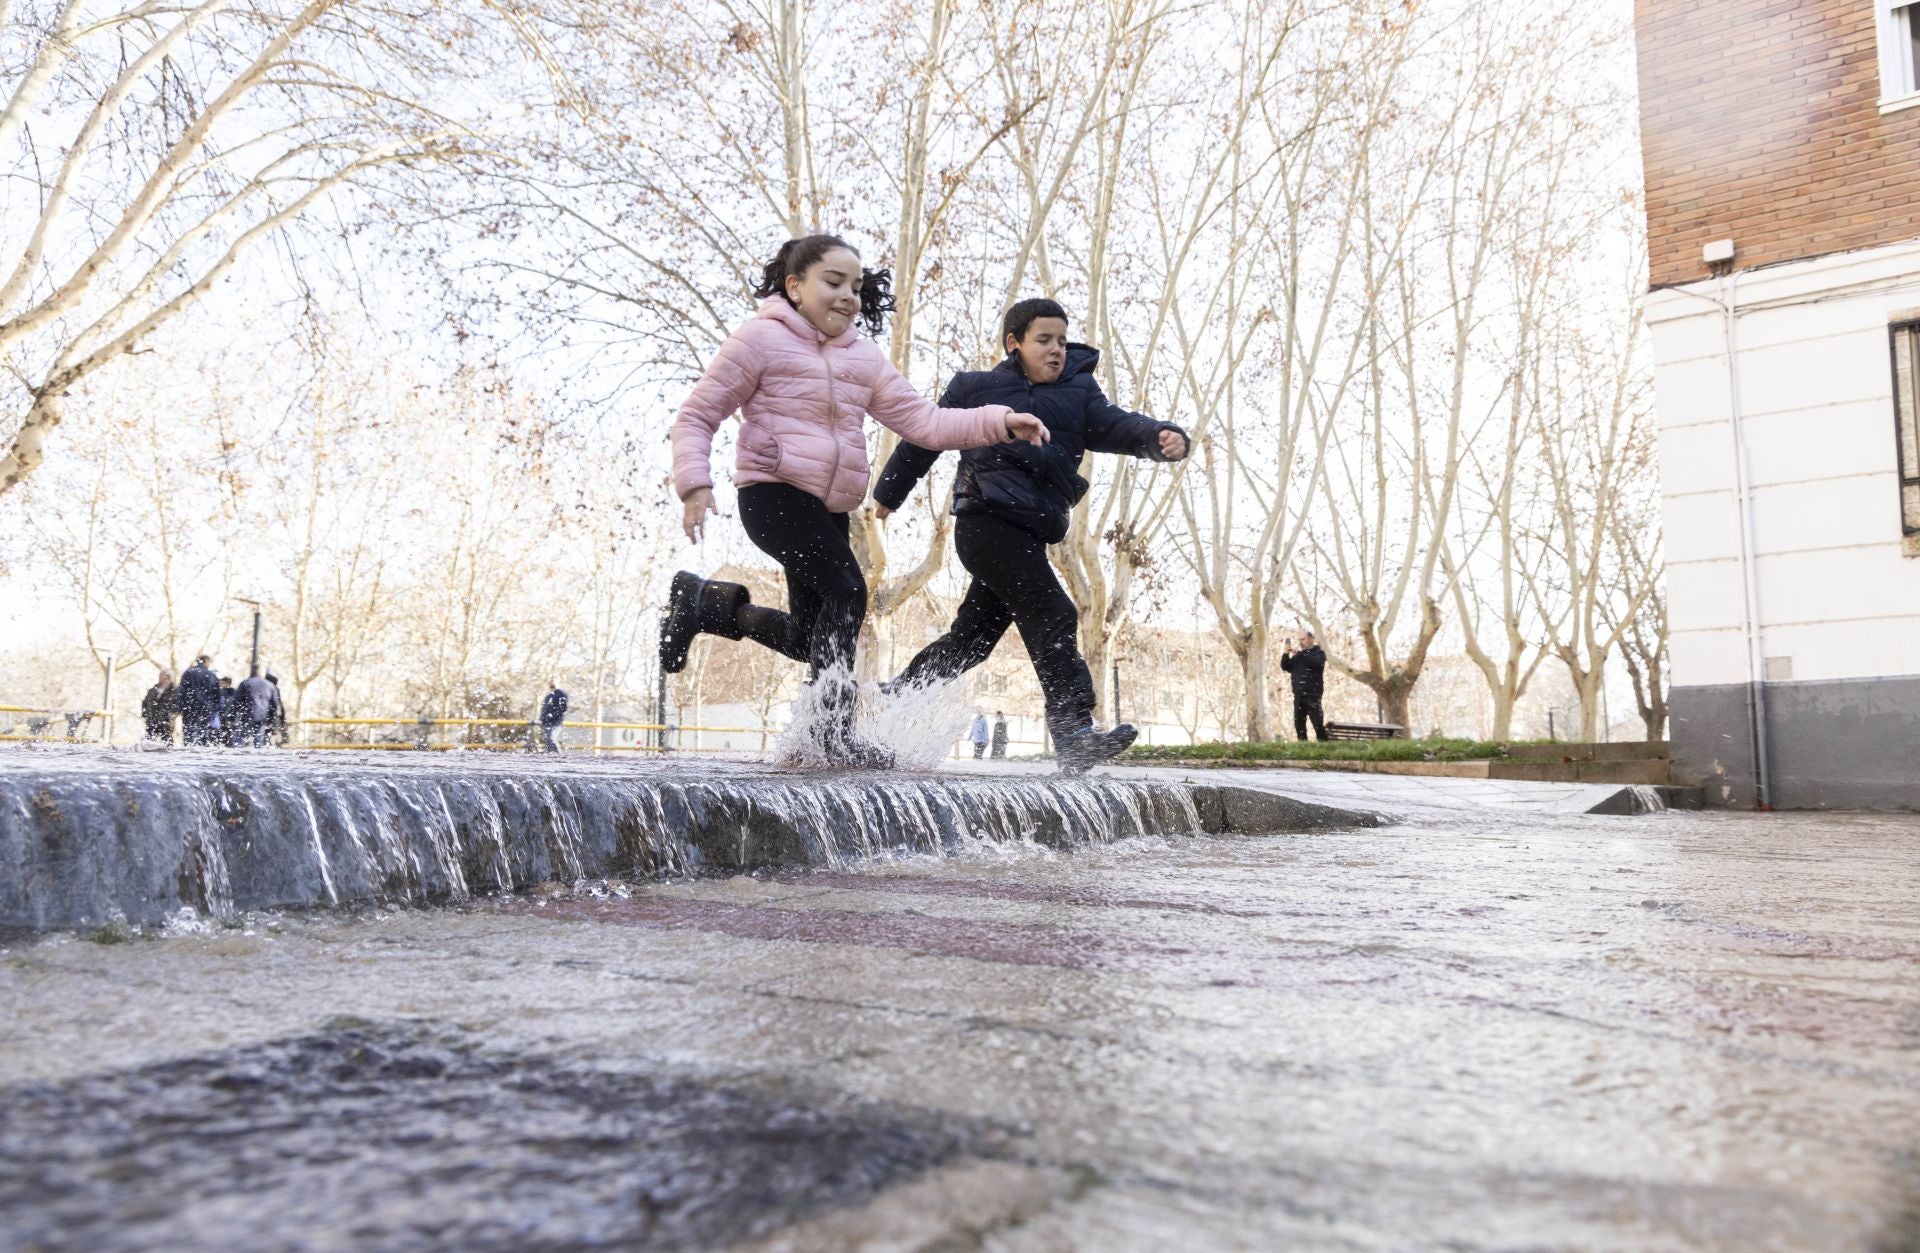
(1511, 1028)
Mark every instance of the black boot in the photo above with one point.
(848, 748)
(841, 744)
(1082, 749)
(696, 605)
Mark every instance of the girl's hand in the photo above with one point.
(882, 512)
(1173, 446)
(697, 504)
(1026, 426)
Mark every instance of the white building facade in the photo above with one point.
(1787, 400)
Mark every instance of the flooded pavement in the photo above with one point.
(1492, 1030)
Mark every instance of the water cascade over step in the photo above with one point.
(89, 837)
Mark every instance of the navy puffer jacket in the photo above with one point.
(1033, 488)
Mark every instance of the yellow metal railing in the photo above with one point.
(519, 745)
(74, 718)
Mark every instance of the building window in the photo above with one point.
(1899, 22)
(1906, 416)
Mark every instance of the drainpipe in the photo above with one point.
(1743, 493)
(1756, 662)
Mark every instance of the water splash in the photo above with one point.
(919, 723)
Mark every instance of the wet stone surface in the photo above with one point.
(408, 1135)
(1479, 1029)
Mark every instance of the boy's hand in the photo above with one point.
(1173, 446)
(1026, 426)
(697, 504)
(882, 512)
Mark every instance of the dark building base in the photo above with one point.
(1847, 744)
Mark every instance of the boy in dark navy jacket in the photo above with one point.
(1012, 500)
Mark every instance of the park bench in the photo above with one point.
(1365, 731)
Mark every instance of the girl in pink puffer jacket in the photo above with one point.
(803, 381)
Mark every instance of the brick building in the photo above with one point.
(1781, 141)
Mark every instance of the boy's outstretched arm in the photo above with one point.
(1113, 429)
(910, 462)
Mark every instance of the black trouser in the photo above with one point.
(826, 593)
(1305, 707)
(1013, 584)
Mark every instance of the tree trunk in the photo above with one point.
(1253, 673)
(1096, 645)
(1587, 683)
(1503, 702)
(1396, 700)
(1591, 694)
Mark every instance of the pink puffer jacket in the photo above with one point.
(802, 400)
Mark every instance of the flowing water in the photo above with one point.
(89, 837)
(1483, 1031)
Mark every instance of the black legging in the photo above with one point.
(1013, 583)
(826, 593)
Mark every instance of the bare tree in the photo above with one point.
(137, 529)
(149, 149)
(1467, 162)
(1644, 650)
(1269, 376)
(1595, 429)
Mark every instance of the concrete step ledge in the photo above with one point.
(1627, 750)
(1626, 772)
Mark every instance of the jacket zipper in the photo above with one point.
(833, 419)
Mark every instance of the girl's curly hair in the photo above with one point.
(797, 256)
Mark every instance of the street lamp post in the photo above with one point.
(253, 662)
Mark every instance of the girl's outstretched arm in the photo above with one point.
(731, 377)
(917, 420)
(910, 462)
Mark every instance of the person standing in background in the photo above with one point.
(553, 716)
(227, 722)
(1307, 668)
(999, 734)
(977, 735)
(198, 700)
(157, 708)
(253, 705)
(277, 724)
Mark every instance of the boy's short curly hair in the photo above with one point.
(1022, 315)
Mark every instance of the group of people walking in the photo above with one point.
(804, 380)
(978, 735)
(213, 710)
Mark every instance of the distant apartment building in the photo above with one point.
(1782, 150)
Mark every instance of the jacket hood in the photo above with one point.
(1081, 359)
(777, 308)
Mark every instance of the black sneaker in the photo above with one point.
(1082, 750)
(681, 622)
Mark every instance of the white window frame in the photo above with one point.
(1899, 76)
